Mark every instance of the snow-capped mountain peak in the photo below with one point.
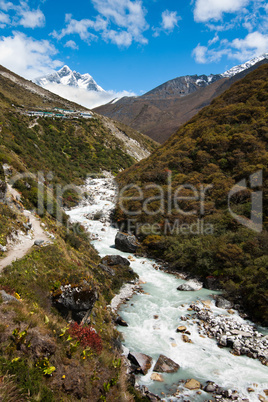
(241, 67)
(65, 76)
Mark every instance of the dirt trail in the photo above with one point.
(25, 242)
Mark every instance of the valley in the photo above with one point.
(157, 318)
(137, 251)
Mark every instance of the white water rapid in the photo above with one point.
(202, 359)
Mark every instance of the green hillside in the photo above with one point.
(224, 144)
(42, 357)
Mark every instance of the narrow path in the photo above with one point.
(25, 242)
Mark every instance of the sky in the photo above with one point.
(131, 46)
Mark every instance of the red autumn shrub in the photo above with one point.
(86, 335)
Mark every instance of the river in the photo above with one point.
(154, 315)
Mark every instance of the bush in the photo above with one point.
(87, 336)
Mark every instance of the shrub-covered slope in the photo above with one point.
(224, 144)
(43, 357)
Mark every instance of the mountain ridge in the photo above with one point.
(147, 113)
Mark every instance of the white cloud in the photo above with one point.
(71, 44)
(200, 54)
(26, 56)
(253, 45)
(76, 27)
(32, 19)
(206, 10)
(213, 40)
(89, 99)
(118, 21)
(21, 14)
(6, 5)
(122, 38)
(169, 20)
(4, 20)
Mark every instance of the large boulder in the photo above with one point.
(165, 365)
(115, 260)
(77, 301)
(126, 242)
(119, 321)
(221, 302)
(141, 361)
(191, 285)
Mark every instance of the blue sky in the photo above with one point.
(131, 45)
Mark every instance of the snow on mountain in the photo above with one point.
(66, 76)
(79, 88)
(241, 67)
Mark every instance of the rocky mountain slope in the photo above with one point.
(220, 235)
(161, 111)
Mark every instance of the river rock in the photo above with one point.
(126, 242)
(119, 321)
(157, 377)
(206, 303)
(3, 248)
(165, 365)
(221, 302)
(141, 361)
(192, 384)
(210, 387)
(115, 260)
(241, 337)
(186, 339)
(191, 285)
(181, 328)
(75, 300)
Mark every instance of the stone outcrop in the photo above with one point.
(76, 301)
(126, 242)
(115, 260)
